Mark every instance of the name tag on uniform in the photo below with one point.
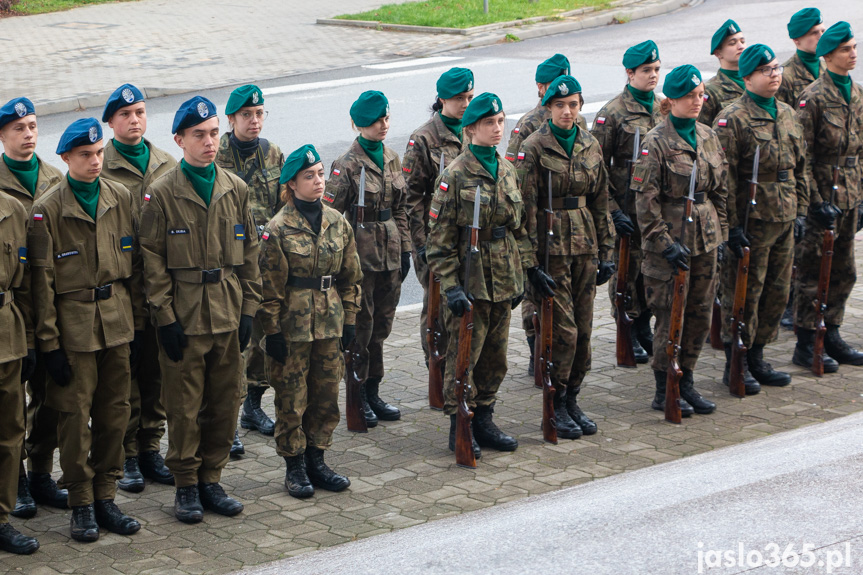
(62, 255)
(126, 243)
(22, 255)
(240, 232)
(178, 231)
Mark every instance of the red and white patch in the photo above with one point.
(329, 197)
(644, 152)
(802, 103)
(600, 120)
(521, 155)
(337, 172)
(265, 236)
(515, 130)
(146, 197)
(404, 169)
(444, 186)
(508, 157)
(706, 96)
(637, 179)
(433, 213)
(411, 142)
(37, 217)
(722, 123)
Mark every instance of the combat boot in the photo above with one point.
(237, 447)
(296, 479)
(750, 384)
(763, 371)
(804, 351)
(566, 427)
(83, 524)
(638, 351)
(153, 467)
(658, 404)
(187, 505)
(12, 541)
(322, 476)
(45, 491)
(839, 349)
(214, 498)
(642, 331)
(531, 341)
(787, 320)
(382, 409)
(133, 480)
(371, 418)
(692, 397)
(253, 417)
(25, 507)
(109, 517)
(488, 434)
(477, 452)
(587, 425)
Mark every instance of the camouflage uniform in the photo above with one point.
(719, 91)
(582, 232)
(660, 181)
(307, 385)
(795, 78)
(781, 196)
(497, 272)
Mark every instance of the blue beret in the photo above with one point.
(297, 161)
(728, 28)
(803, 21)
(557, 65)
(484, 105)
(681, 81)
(125, 95)
(645, 53)
(837, 34)
(193, 112)
(753, 57)
(561, 87)
(82, 132)
(14, 109)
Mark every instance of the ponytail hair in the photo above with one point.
(665, 106)
(437, 106)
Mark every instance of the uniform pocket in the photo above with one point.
(122, 247)
(70, 269)
(679, 169)
(181, 248)
(234, 240)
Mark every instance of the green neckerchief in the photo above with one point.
(646, 99)
(734, 76)
(811, 61)
(451, 123)
(768, 104)
(26, 172)
(86, 194)
(844, 85)
(487, 156)
(686, 128)
(202, 179)
(566, 138)
(374, 150)
(137, 155)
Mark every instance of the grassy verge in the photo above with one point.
(27, 7)
(467, 13)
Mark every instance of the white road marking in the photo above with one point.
(413, 62)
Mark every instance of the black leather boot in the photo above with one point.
(214, 498)
(109, 517)
(763, 371)
(643, 332)
(153, 467)
(805, 350)
(587, 425)
(296, 479)
(477, 452)
(787, 320)
(382, 409)
(838, 348)
(25, 507)
(531, 341)
(12, 541)
(566, 427)
(638, 351)
(692, 397)
(45, 491)
(133, 480)
(187, 505)
(371, 418)
(322, 476)
(487, 434)
(659, 398)
(237, 447)
(750, 384)
(83, 524)
(253, 417)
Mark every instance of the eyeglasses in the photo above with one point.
(259, 114)
(771, 71)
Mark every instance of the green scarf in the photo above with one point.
(374, 150)
(566, 138)
(844, 85)
(686, 128)
(451, 123)
(734, 76)
(137, 155)
(768, 104)
(86, 194)
(811, 61)
(26, 172)
(646, 99)
(487, 156)
(202, 179)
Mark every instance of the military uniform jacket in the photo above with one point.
(421, 168)
(661, 179)
(795, 78)
(49, 176)
(179, 232)
(290, 248)
(581, 231)
(379, 243)
(528, 124)
(832, 129)
(719, 91)
(614, 128)
(497, 272)
(118, 169)
(71, 254)
(263, 181)
(782, 193)
(16, 311)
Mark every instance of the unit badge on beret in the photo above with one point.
(128, 95)
(494, 106)
(310, 156)
(563, 89)
(653, 55)
(94, 134)
(732, 29)
(388, 109)
(695, 80)
(20, 109)
(767, 54)
(254, 97)
(470, 85)
(202, 110)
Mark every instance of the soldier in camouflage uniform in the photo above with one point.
(311, 281)
(383, 241)
(496, 285)
(831, 112)
(726, 86)
(579, 182)
(660, 182)
(759, 121)
(614, 128)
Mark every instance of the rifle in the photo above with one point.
(355, 413)
(464, 456)
(675, 333)
(716, 325)
(625, 354)
(544, 338)
(820, 302)
(434, 332)
(738, 350)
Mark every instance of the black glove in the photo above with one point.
(737, 240)
(677, 255)
(245, 331)
(349, 334)
(859, 217)
(173, 340)
(28, 365)
(622, 223)
(516, 300)
(541, 282)
(800, 228)
(604, 272)
(824, 214)
(457, 301)
(406, 264)
(135, 351)
(421, 254)
(277, 347)
(58, 367)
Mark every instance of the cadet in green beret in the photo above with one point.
(580, 254)
(614, 126)
(304, 347)
(726, 86)
(383, 239)
(497, 273)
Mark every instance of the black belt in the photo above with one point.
(700, 198)
(780, 176)
(6, 297)
(380, 215)
(571, 203)
(92, 294)
(844, 161)
(212, 276)
(322, 283)
(489, 234)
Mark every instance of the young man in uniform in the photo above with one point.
(726, 86)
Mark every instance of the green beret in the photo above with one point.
(484, 105)
(557, 65)
(681, 81)
(837, 34)
(370, 107)
(754, 56)
(297, 161)
(729, 28)
(645, 53)
(453, 82)
(803, 21)
(248, 95)
(561, 87)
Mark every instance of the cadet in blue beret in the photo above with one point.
(726, 86)
(801, 69)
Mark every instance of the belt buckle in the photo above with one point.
(103, 292)
(326, 282)
(3, 296)
(211, 276)
(498, 233)
(850, 161)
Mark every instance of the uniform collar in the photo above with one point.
(549, 142)
(360, 154)
(294, 219)
(833, 92)
(221, 186)
(8, 181)
(114, 160)
(675, 141)
(71, 208)
(444, 134)
(634, 107)
(756, 112)
(473, 165)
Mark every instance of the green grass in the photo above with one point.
(26, 7)
(467, 13)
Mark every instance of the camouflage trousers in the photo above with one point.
(770, 259)
(422, 270)
(487, 353)
(843, 273)
(699, 293)
(41, 441)
(528, 310)
(147, 419)
(11, 434)
(307, 395)
(381, 292)
(636, 302)
(254, 358)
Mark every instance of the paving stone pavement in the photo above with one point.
(403, 475)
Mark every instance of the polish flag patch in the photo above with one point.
(411, 142)
(600, 120)
(337, 172)
(516, 130)
(444, 186)
(706, 96)
(802, 103)
(644, 152)
(265, 236)
(146, 197)
(722, 123)
(521, 155)
(37, 217)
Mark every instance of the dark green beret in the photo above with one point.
(248, 95)
(729, 28)
(484, 105)
(681, 81)
(837, 34)
(754, 56)
(557, 65)
(370, 107)
(803, 21)
(297, 161)
(453, 82)
(561, 87)
(645, 53)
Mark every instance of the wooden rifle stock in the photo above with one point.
(354, 411)
(820, 302)
(672, 349)
(537, 351)
(625, 353)
(543, 367)
(738, 350)
(464, 456)
(433, 335)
